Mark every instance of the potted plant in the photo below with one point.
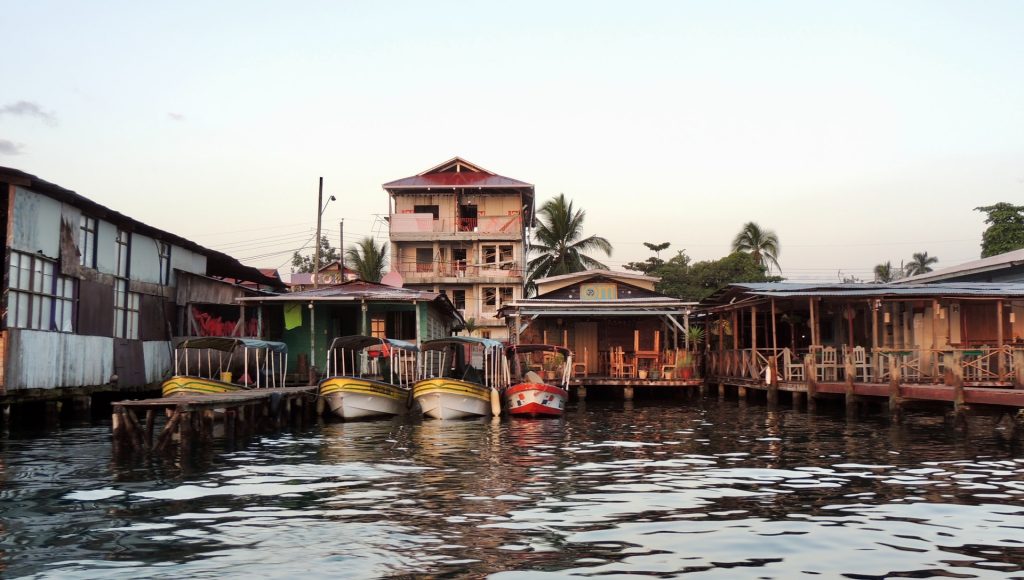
(552, 365)
(684, 365)
(641, 374)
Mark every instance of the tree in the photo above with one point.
(1005, 232)
(886, 272)
(681, 279)
(560, 244)
(760, 243)
(367, 259)
(921, 263)
(328, 254)
(650, 264)
(471, 326)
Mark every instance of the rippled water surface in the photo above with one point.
(697, 488)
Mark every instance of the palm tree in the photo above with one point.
(886, 272)
(560, 243)
(471, 326)
(920, 264)
(760, 243)
(367, 259)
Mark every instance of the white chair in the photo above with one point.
(827, 370)
(860, 364)
(793, 371)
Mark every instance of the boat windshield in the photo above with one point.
(540, 363)
(475, 360)
(251, 362)
(380, 359)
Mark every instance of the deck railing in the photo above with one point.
(988, 365)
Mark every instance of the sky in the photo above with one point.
(858, 131)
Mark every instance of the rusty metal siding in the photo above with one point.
(129, 362)
(153, 323)
(145, 259)
(46, 360)
(106, 247)
(35, 223)
(159, 360)
(95, 309)
(202, 290)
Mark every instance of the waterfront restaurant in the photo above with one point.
(956, 341)
(622, 332)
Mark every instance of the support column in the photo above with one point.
(1000, 359)
(895, 400)
(811, 376)
(627, 393)
(581, 393)
(851, 397)
(956, 374)
(773, 383)
(1018, 368)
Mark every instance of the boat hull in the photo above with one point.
(358, 398)
(185, 385)
(535, 400)
(447, 398)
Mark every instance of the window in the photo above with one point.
(87, 241)
(424, 260)
(431, 209)
(378, 327)
(498, 255)
(126, 304)
(459, 299)
(165, 263)
(38, 298)
(496, 296)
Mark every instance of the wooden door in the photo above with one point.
(585, 340)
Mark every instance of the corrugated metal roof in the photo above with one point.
(357, 290)
(442, 176)
(224, 264)
(789, 290)
(997, 262)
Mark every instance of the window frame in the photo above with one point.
(87, 251)
(39, 297)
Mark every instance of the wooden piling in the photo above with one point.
(773, 383)
(811, 376)
(957, 372)
(851, 397)
(895, 400)
(1018, 368)
(627, 393)
(168, 433)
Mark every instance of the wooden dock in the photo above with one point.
(191, 418)
(627, 384)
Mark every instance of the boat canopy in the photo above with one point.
(228, 344)
(525, 348)
(360, 341)
(441, 343)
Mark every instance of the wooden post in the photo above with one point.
(627, 393)
(773, 383)
(850, 371)
(735, 331)
(875, 368)
(797, 399)
(168, 432)
(150, 424)
(1018, 368)
(895, 400)
(957, 372)
(753, 329)
(775, 343)
(581, 393)
(811, 376)
(721, 391)
(185, 434)
(1000, 359)
(814, 323)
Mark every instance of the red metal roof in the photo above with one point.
(456, 173)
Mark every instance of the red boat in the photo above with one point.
(540, 379)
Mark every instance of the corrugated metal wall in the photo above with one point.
(145, 259)
(159, 360)
(43, 360)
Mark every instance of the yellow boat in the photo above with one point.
(368, 376)
(452, 387)
(208, 365)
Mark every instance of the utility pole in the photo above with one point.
(316, 244)
(341, 246)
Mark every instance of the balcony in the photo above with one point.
(423, 227)
(461, 272)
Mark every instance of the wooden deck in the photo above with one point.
(192, 417)
(627, 384)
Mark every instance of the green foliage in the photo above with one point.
(886, 272)
(760, 243)
(471, 326)
(367, 259)
(1005, 232)
(328, 254)
(921, 263)
(681, 279)
(559, 242)
(695, 336)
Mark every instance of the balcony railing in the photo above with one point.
(984, 365)
(424, 223)
(461, 269)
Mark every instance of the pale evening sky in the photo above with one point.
(858, 131)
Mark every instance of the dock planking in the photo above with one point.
(191, 417)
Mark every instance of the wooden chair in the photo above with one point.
(621, 368)
(829, 366)
(581, 365)
(668, 361)
(794, 371)
(860, 364)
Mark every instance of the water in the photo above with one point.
(702, 489)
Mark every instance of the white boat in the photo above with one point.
(461, 377)
(368, 376)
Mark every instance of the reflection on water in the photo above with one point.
(712, 489)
